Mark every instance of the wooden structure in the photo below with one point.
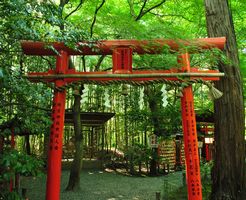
(208, 140)
(167, 153)
(93, 123)
(206, 123)
(122, 51)
(91, 119)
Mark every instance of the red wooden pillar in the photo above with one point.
(56, 132)
(208, 156)
(193, 178)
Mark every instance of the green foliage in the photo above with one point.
(205, 170)
(6, 195)
(138, 153)
(13, 162)
(181, 192)
(1, 73)
(51, 21)
(243, 63)
(24, 20)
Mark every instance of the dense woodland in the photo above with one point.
(140, 111)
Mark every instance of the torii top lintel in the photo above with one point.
(105, 47)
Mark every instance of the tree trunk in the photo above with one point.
(178, 165)
(45, 149)
(229, 172)
(3, 184)
(153, 162)
(156, 120)
(27, 144)
(154, 98)
(125, 123)
(1, 143)
(74, 179)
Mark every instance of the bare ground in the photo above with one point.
(106, 185)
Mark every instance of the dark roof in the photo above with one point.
(87, 119)
(90, 118)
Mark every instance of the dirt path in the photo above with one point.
(101, 185)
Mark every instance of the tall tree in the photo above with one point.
(74, 177)
(145, 9)
(229, 172)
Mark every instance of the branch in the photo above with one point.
(109, 68)
(61, 8)
(171, 15)
(95, 17)
(48, 61)
(21, 65)
(142, 12)
(62, 5)
(75, 10)
(99, 62)
(130, 3)
(83, 62)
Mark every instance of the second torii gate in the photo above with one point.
(121, 51)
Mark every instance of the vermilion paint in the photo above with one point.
(121, 51)
(106, 47)
(193, 178)
(56, 133)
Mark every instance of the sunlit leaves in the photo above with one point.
(14, 162)
(47, 21)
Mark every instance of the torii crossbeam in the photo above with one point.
(122, 51)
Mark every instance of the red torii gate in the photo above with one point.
(121, 51)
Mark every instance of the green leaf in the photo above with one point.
(1, 73)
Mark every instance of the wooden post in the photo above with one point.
(158, 196)
(56, 133)
(193, 178)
